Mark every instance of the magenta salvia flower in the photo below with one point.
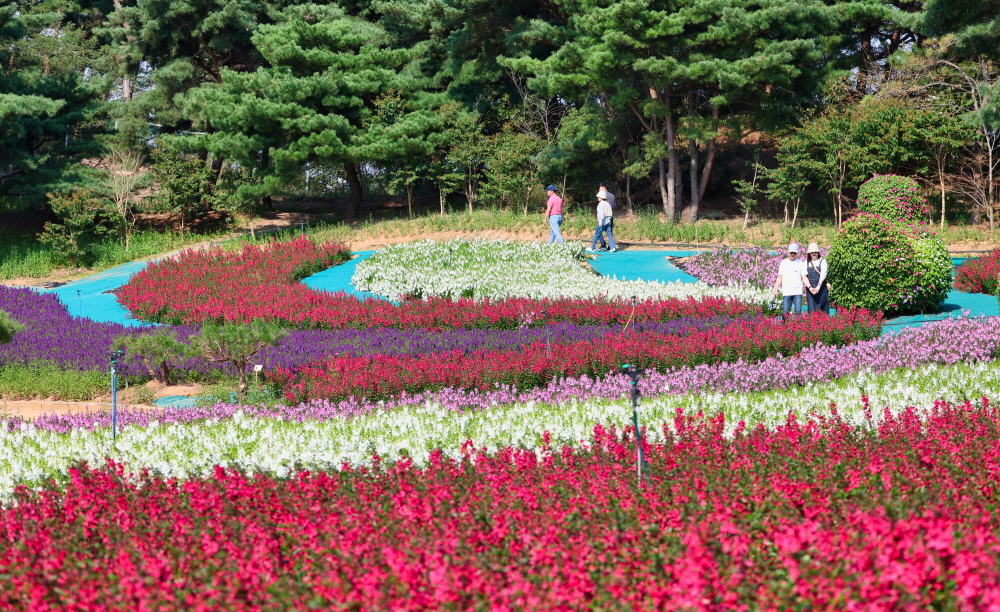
(961, 340)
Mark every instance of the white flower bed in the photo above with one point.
(501, 269)
(29, 456)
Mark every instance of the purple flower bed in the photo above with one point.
(52, 335)
(945, 342)
(725, 266)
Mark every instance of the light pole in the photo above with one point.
(634, 373)
(548, 337)
(115, 356)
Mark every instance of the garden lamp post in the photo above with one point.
(548, 336)
(115, 356)
(634, 373)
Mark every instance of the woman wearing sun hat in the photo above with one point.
(817, 289)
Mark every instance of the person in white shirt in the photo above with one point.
(604, 216)
(817, 289)
(791, 281)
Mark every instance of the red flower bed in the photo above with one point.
(979, 275)
(244, 285)
(384, 376)
(820, 515)
(262, 284)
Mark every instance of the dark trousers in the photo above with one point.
(819, 302)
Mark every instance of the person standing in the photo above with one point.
(613, 202)
(791, 277)
(817, 290)
(604, 217)
(554, 214)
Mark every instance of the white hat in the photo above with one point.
(793, 248)
(602, 195)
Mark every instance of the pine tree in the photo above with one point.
(688, 69)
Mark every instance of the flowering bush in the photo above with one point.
(890, 267)
(502, 269)
(816, 513)
(893, 197)
(385, 376)
(979, 275)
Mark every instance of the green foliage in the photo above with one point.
(43, 380)
(78, 213)
(183, 181)
(881, 265)
(235, 344)
(48, 111)
(8, 327)
(894, 197)
(159, 351)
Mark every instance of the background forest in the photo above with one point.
(114, 110)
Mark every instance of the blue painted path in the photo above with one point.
(89, 297)
(338, 278)
(638, 264)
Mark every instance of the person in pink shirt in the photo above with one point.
(554, 213)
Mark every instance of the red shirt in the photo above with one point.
(554, 205)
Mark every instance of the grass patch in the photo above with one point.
(44, 380)
(22, 256)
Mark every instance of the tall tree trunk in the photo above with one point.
(710, 156)
(628, 193)
(441, 197)
(673, 171)
(265, 162)
(796, 214)
(409, 199)
(354, 182)
(127, 87)
(692, 211)
(990, 204)
(941, 182)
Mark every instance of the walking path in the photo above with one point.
(92, 297)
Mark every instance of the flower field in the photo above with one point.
(500, 269)
(387, 376)
(894, 517)
(463, 449)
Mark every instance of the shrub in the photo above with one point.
(894, 197)
(891, 267)
(8, 327)
(979, 275)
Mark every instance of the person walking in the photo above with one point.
(791, 281)
(553, 212)
(613, 202)
(604, 217)
(817, 290)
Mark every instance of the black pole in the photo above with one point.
(634, 373)
(548, 337)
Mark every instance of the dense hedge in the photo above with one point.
(895, 268)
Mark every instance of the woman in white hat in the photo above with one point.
(604, 216)
(817, 289)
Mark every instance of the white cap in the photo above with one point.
(602, 195)
(793, 248)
